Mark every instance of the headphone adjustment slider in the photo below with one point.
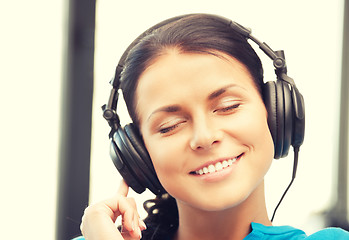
(279, 63)
(110, 116)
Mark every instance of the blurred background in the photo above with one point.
(56, 60)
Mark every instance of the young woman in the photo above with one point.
(194, 90)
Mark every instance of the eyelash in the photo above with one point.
(229, 108)
(167, 129)
(164, 130)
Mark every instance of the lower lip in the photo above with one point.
(218, 176)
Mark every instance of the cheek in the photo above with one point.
(252, 130)
(261, 133)
(263, 143)
(265, 136)
(167, 155)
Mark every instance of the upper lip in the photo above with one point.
(213, 162)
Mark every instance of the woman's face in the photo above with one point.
(205, 127)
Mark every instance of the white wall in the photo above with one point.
(30, 75)
(30, 60)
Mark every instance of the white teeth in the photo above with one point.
(205, 170)
(211, 169)
(217, 167)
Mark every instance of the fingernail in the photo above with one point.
(142, 224)
(139, 233)
(133, 225)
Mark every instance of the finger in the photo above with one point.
(127, 212)
(138, 221)
(136, 217)
(117, 204)
(136, 230)
(142, 225)
(139, 224)
(136, 234)
(130, 217)
(96, 225)
(113, 203)
(132, 203)
(128, 236)
(123, 188)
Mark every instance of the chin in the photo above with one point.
(214, 203)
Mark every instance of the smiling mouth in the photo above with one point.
(212, 168)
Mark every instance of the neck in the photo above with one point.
(233, 223)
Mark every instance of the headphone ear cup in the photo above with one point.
(144, 158)
(288, 118)
(270, 102)
(299, 118)
(138, 144)
(279, 103)
(135, 172)
(121, 165)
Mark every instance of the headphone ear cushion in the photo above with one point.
(138, 145)
(270, 102)
(299, 118)
(120, 162)
(135, 165)
(279, 104)
(288, 118)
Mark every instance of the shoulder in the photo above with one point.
(329, 233)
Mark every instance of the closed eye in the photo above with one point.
(228, 108)
(166, 128)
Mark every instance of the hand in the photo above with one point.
(98, 222)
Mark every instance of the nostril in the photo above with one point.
(204, 145)
(204, 138)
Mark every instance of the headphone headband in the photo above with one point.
(278, 58)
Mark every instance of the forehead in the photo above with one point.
(176, 66)
(174, 76)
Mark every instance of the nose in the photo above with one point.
(205, 135)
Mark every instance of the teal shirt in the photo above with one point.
(261, 232)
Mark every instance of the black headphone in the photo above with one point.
(283, 101)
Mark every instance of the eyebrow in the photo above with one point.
(177, 108)
(220, 91)
(168, 109)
